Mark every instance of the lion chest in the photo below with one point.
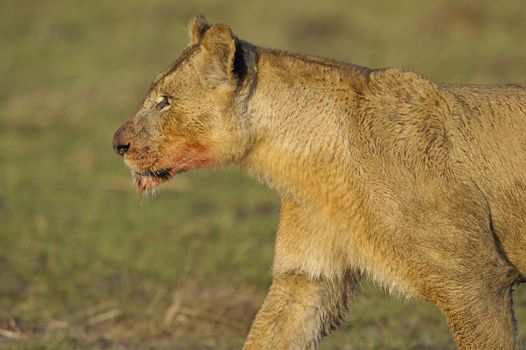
(321, 248)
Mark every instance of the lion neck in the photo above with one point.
(298, 117)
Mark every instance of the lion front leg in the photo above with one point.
(311, 288)
(299, 311)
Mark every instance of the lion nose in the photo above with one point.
(119, 144)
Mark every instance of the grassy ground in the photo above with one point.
(85, 263)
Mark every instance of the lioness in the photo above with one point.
(382, 174)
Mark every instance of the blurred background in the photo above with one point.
(86, 263)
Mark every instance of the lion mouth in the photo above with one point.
(160, 174)
(150, 179)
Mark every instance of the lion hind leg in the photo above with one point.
(483, 323)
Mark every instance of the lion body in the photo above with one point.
(382, 173)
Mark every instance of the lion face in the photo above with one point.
(187, 119)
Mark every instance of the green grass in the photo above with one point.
(85, 263)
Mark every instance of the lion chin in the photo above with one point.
(149, 180)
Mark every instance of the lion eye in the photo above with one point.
(165, 102)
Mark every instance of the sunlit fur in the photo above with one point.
(382, 173)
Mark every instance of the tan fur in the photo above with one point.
(382, 174)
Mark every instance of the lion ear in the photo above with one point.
(197, 28)
(218, 54)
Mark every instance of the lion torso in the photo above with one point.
(372, 153)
